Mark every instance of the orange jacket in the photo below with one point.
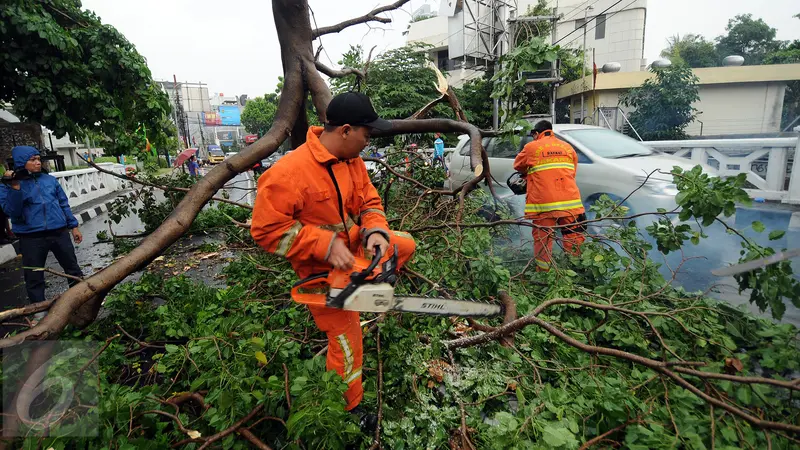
(551, 165)
(297, 209)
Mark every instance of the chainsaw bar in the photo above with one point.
(446, 307)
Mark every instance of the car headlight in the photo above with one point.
(661, 187)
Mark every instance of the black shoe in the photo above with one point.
(368, 422)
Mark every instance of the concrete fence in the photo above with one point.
(767, 162)
(85, 185)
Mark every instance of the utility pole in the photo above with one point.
(180, 114)
(583, 62)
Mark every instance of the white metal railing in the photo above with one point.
(85, 185)
(767, 162)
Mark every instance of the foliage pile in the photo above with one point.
(249, 346)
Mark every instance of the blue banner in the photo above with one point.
(230, 115)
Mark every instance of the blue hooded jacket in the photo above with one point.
(40, 204)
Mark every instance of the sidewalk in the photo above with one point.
(83, 213)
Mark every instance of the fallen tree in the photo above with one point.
(583, 372)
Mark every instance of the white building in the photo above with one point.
(733, 100)
(466, 35)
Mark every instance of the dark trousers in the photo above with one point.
(34, 254)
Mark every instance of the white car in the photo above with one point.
(229, 154)
(608, 163)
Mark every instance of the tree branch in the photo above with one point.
(33, 308)
(658, 366)
(157, 186)
(339, 73)
(371, 16)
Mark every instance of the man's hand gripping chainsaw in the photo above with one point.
(369, 287)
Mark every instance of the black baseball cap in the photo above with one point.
(354, 108)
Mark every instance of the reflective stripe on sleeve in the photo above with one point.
(288, 238)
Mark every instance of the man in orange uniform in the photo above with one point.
(317, 207)
(553, 197)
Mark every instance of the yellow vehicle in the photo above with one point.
(215, 154)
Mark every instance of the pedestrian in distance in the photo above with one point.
(438, 152)
(192, 165)
(318, 208)
(553, 197)
(41, 218)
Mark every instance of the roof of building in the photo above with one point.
(708, 75)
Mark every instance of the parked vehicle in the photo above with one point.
(215, 154)
(608, 163)
(229, 154)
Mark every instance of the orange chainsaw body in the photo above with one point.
(321, 289)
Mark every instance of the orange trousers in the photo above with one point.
(343, 328)
(572, 238)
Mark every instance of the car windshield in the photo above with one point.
(608, 144)
(215, 152)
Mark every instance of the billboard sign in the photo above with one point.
(211, 119)
(230, 115)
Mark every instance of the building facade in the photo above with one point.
(466, 36)
(741, 100)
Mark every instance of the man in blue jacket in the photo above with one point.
(40, 216)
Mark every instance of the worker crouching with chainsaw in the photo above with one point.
(552, 195)
(317, 207)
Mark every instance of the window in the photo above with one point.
(600, 27)
(579, 23)
(465, 149)
(442, 59)
(501, 148)
(582, 159)
(606, 143)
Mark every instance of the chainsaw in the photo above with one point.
(370, 288)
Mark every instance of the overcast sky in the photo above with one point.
(232, 44)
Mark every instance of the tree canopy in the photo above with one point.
(663, 103)
(692, 50)
(62, 67)
(259, 114)
(747, 37)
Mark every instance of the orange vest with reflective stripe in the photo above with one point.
(551, 165)
(297, 212)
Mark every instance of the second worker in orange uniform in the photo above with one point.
(552, 197)
(317, 207)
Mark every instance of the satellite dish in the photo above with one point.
(448, 8)
(732, 61)
(662, 63)
(612, 67)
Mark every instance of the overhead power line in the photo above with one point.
(604, 21)
(593, 18)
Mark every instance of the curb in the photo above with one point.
(89, 214)
(8, 252)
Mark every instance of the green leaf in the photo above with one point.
(556, 436)
(774, 235)
(758, 227)
(171, 348)
(261, 357)
(744, 394)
